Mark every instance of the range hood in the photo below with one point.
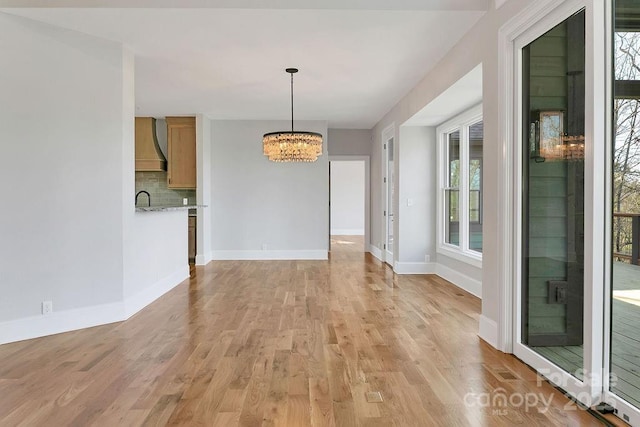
(149, 158)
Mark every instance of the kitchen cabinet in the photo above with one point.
(192, 239)
(181, 150)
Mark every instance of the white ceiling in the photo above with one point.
(226, 58)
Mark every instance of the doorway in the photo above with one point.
(349, 204)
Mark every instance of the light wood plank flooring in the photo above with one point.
(288, 343)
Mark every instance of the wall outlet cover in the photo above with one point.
(47, 307)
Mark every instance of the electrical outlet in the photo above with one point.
(265, 246)
(427, 258)
(47, 307)
(185, 201)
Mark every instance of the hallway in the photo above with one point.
(290, 343)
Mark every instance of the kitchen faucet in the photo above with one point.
(145, 192)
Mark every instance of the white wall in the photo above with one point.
(349, 142)
(281, 207)
(416, 186)
(478, 46)
(347, 198)
(157, 257)
(61, 169)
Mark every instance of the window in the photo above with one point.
(460, 181)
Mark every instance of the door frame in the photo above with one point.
(525, 27)
(367, 196)
(388, 253)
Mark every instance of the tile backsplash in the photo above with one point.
(156, 184)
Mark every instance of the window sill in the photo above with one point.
(468, 257)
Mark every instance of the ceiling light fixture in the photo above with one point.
(290, 146)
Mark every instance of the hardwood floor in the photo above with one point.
(290, 343)
(347, 243)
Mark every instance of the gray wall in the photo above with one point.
(284, 206)
(349, 142)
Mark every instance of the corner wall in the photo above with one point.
(61, 132)
(71, 234)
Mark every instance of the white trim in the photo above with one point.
(462, 281)
(347, 232)
(488, 331)
(204, 259)
(376, 252)
(318, 254)
(87, 317)
(387, 133)
(137, 302)
(414, 267)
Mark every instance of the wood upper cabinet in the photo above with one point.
(181, 150)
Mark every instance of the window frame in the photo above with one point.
(461, 123)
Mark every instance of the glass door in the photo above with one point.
(553, 199)
(623, 332)
(550, 333)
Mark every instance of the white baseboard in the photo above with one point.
(347, 231)
(414, 267)
(375, 252)
(204, 259)
(137, 302)
(463, 281)
(60, 321)
(319, 254)
(488, 331)
(87, 317)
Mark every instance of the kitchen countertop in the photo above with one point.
(167, 208)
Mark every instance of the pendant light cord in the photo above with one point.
(291, 102)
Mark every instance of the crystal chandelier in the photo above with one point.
(290, 146)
